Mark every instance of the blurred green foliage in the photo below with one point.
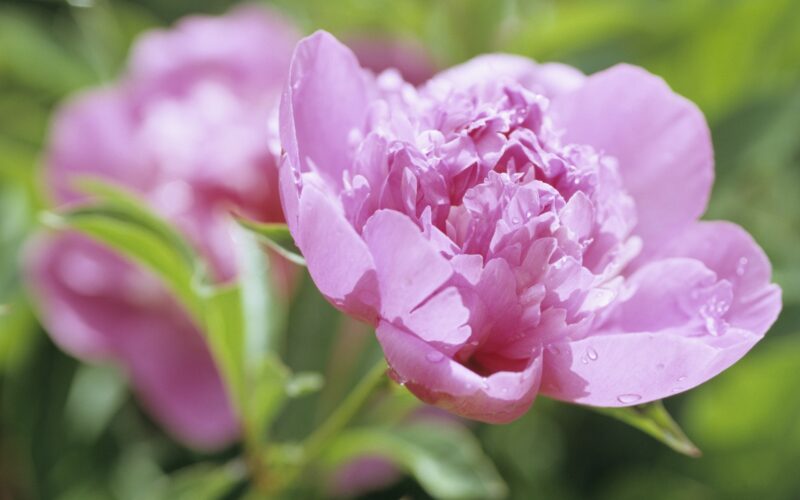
(73, 432)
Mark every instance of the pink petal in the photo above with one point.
(94, 309)
(549, 79)
(732, 254)
(323, 102)
(94, 135)
(654, 345)
(175, 377)
(230, 47)
(437, 379)
(409, 268)
(622, 369)
(660, 139)
(338, 259)
(442, 320)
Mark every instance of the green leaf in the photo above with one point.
(198, 482)
(96, 394)
(118, 219)
(444, 458)
(653, 419)
(277, 237)
(241, 321)
(304, 383)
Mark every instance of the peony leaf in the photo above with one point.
(242, 321)
(653, 419)
(203, 481)
(446, 460)
(276, 236)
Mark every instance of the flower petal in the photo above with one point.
(622, 369)
(732, 254)
(94, 134)
(437, 379)
(660, 139)
(99, 307)
(338, 259)
(323, 102)
(656, 342)
(549, 79)
(409, 268)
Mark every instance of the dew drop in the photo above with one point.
(434, 356)
(584, 360)
(628, 398)
(681, 379)
(515, 220)
(485, 384)
(592, 354)
(741, 267)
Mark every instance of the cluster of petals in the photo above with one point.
(192, 128)
(514, 229)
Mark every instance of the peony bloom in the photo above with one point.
(513, 228)
(192, 127)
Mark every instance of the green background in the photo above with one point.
(72, 432)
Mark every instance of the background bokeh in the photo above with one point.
(71, 431)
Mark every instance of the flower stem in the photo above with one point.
(345, 412)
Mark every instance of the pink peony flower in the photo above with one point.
(513, 228)
(193, 128)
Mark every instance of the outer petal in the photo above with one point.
(94, 134)
(250, 47)
(324, 101)
(437, 379)
(175, 377)
(661, 140)
(732, 254)
(653, 348)
(622, 369)
(337, 257)
(96, 306)
(550, 79)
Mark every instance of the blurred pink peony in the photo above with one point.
(513, 228)
(192, 127)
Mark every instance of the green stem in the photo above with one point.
(346, 411)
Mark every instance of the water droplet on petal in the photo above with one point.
(592, 354)
(515, 220)
(434, 356)
(741, 267)
(584, 360)
(628, 398)
(681, 379)
(485, 384)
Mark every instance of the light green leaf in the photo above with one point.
(118, 219)
(304, 383)
(277, 237)
(97, 392)
(445, 459)
(198, 482)
(653, 419)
